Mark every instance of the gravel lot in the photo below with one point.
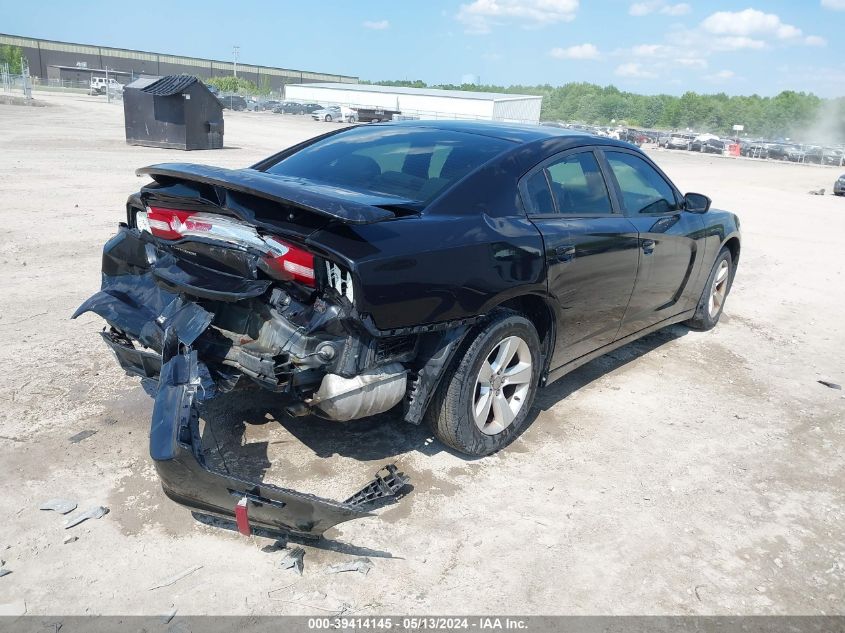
(687, 473)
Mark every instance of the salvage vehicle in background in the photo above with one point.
(714, 146)
(292, 107)
(375, 115)
(266, 106)
(99, 85)
(839, 186)
(449, 269)
(679, 141)
(341, 114)
(233, 102)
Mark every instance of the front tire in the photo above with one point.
(485, 397)
(328, 118)
(715, 293)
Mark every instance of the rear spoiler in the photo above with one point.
(350, 207)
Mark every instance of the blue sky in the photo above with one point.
(648, 46)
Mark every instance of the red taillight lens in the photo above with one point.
(291, 262)
(169, 224)
(283, 260)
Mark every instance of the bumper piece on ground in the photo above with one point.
(175, 446)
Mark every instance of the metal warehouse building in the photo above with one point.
(423, 102)
(62, 62)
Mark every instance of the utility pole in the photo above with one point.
(235, 52)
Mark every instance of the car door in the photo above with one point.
(669, 239)
(591, 250)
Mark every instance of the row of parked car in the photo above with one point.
(707, 143)
(340, 114)
(793, 152)
(776, 150)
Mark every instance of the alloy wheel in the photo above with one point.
(720, 288)
(502, 385)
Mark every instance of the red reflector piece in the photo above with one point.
(242, 517)
(296, 263)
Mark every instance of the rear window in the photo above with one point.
(411, 163)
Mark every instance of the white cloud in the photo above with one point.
(580, 51)
(480, 15)
(668, 56)
(815, 40)
(691, 62)
(378, 25)
(747, 23)
(659, 6)
(722, 75)
(650, 50)
(736, 43)
(836, 5)
(634, 70)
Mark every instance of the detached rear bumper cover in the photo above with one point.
(141, 307)
(175, 447)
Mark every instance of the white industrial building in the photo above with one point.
(425, 103)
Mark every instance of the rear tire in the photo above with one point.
(328, 118)
(485, 396)
(715, 293)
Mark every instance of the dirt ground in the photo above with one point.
(687, 473)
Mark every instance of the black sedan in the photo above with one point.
(448, 269)
(839, 186)
(292, 107)
(233, 102)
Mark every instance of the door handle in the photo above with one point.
(647, 246)
(565, 253)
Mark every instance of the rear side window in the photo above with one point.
(643, 189)
(415, 164)
(577, 187)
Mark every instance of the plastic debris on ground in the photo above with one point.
(70, 539)
(293, 560)
(172, 580)
(62, 506)
(169, 616)
(76, 439)
(831, 385)
(361, 565)
(97, 512)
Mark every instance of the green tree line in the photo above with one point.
(790, 114)
(232, 84)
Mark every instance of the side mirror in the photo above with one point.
(697, 203)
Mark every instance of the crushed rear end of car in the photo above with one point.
(206, 287)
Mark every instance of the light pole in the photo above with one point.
(235, 52)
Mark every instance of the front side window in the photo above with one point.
(415, 164)
(643, 189)
(577, 187)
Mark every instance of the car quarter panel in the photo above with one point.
(417, 271)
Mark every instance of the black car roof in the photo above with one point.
(514, 132)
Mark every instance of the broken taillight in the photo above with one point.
(291, 262)
(172, 224)
(283, 260)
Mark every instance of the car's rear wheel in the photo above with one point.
(715, 293)
(328, 118)
(485, 397)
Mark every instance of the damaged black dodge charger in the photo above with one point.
(449, 268)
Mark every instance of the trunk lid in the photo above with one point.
(326, 201)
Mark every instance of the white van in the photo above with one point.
(99, 85)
